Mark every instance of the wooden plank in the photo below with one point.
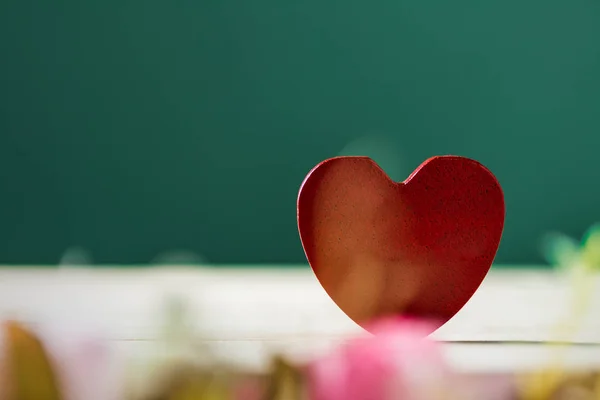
(247, 314)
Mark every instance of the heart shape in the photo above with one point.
(418, 248)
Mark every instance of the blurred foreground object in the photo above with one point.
(397, 363)
(578, 262)
(31, 374)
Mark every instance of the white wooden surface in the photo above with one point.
(248, 313)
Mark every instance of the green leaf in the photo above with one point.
(591, 247)
(560, 250)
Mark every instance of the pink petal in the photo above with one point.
(374, 367)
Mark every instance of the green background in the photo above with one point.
(134, 128)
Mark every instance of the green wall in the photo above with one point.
(131, 128)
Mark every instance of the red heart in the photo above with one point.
(416, 248)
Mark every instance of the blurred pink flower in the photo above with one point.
(396, 362)
(88, 371)
(86, 365)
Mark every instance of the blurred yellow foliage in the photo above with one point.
(31, 375)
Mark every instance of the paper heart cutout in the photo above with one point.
(418, 248)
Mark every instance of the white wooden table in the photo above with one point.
(246, 313)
